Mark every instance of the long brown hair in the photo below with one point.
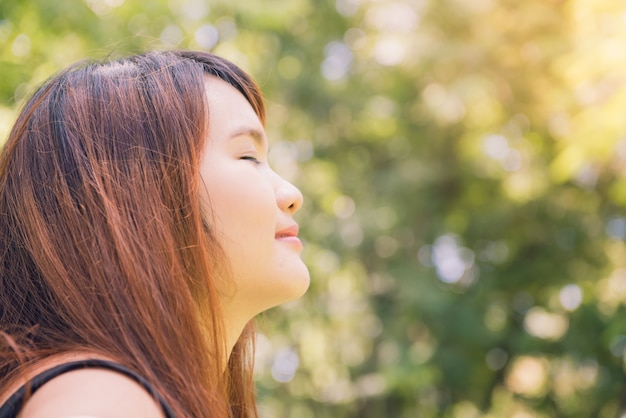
(103, 245)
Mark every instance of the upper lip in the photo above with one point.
(290, 231)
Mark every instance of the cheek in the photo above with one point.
(243, 208)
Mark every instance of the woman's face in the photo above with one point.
(249, 207)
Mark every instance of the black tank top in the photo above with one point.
(12, 406)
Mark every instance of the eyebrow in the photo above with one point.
(256, 134)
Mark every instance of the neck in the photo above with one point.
(233, 327)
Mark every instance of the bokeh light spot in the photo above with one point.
(571, 296)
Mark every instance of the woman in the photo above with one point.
(141, 229)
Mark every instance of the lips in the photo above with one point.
(290, 231)
(289, 236)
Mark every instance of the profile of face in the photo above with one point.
(250, 208)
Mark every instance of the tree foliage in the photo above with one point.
(463, 169)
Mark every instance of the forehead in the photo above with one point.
(230, 113)
(222, 95)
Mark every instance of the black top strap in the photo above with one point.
(12, 406)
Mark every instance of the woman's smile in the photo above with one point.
(289, 235)
(250, 207)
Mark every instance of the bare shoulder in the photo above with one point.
(92, 392)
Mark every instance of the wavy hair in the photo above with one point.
(103, 244)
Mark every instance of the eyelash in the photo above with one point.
(251, 158)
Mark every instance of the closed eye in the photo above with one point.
(250, 158)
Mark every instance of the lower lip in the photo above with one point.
(295, 241)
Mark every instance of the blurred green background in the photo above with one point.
(463, 164)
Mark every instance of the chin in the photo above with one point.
(291, 286)
(295, 285)
(303, 283)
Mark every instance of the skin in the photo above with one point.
(251, 209)
(91, 393)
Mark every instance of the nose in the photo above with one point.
(288, 197)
